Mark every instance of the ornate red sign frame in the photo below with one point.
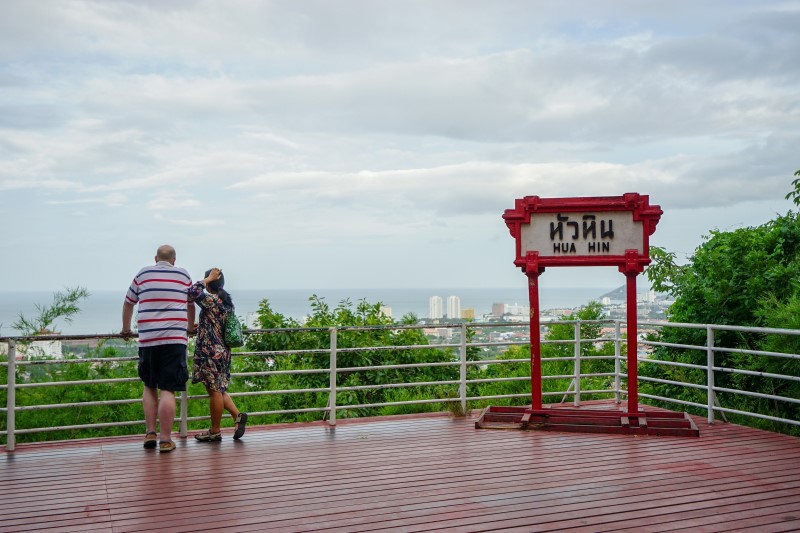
(630, 262)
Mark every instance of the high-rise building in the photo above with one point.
(518, 310)
(453, 307)
(435, 307)
(468, 313)
(498, 309)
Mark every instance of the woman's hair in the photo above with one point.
(216, 288)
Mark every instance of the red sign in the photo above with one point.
(588, 231)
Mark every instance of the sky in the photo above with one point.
(376, 144)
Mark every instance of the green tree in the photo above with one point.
(42, 370)
(745, 277)
(362, 326)
(65, 305)
(560, 345)
(794, 194)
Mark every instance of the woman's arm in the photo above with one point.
(197, 293)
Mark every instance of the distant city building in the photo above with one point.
(498, 309)
(47, 349)
(435, 307)
(386, 311)
(453, 307)
(518, 310)
(468, 313)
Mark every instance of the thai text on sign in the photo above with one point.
(581, 233)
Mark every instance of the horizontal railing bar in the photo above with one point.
(672, 363)
(79, 382)
(282, 372)
(73, 361)
(756, 352)
(78, 426)
(754, 373)
(721, 327)
(670, 382)
(672, 345)
(757, 395)
(397, 385)
(493, 361)
(263, 393)
(757, 415)
(409, 365)
(670, 400)
(403, 347)
(76, 404)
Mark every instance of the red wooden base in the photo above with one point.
(589, 421)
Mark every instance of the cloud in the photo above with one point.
(405, 127)
(109, 200)
(199, 223)
(173, 200)
(483, 187)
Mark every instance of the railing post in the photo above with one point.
(184, 420)
(617, 355)
(11, 396)
(710, 373)
(576, 399)
(332, 393)
(462, 388)
(183, 414)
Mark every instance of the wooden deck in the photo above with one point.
(409, 474)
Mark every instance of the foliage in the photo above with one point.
(558, 364)
(745, 277)
(310, 349)
(65, 305)
(794, 195)
(43, 370)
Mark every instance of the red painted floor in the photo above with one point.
(424, 473)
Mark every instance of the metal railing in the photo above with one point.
(455, 355)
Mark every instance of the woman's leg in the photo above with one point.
(227, 402)
(216, 403)
(239, 424)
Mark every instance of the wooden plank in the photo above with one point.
(411, 473)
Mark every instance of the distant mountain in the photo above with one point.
(616, 294)
(620, 293)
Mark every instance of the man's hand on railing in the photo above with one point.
(126, 333)
(192, 330)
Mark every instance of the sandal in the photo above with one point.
(150, 440)
(241, 422)
(166, 446)
(207, 436)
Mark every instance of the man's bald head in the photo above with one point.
(165, 252)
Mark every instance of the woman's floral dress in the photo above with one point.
(212, 358)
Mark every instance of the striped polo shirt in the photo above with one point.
(161, 291)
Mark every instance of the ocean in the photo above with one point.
(101, 311)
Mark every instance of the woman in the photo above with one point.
(212, 358)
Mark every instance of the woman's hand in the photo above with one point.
(214, 275)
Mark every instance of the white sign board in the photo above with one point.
(604, 233)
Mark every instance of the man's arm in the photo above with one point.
(127, 315)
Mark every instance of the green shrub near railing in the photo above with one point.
(431, 379)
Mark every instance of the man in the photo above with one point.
(164, 319)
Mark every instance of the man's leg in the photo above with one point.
(150, 405)
(166, 414)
